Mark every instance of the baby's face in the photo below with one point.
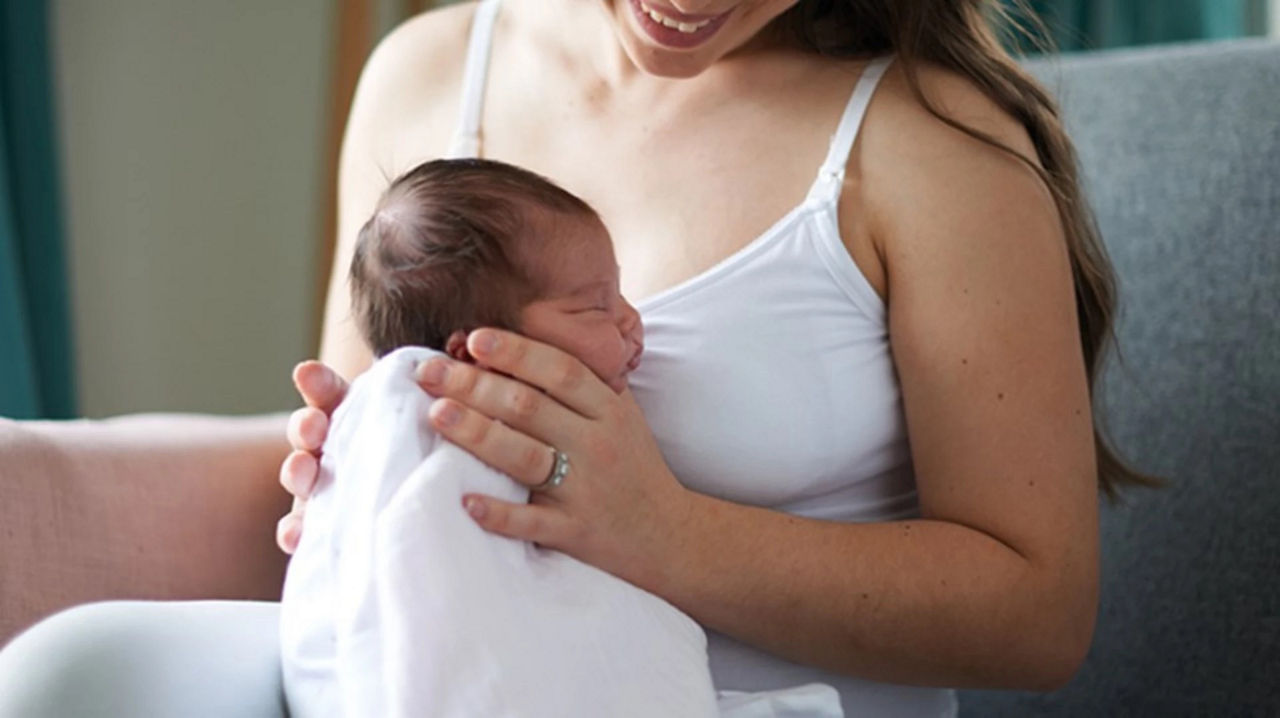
(584, 314)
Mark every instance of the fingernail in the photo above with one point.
(474, 506)
(486, 342)
(432, 371)
(448, 416)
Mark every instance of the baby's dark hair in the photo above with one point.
(454, 245)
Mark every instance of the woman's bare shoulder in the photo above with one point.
(910, 158)
(907, 158)
(412, 79)
(436, 39)
(955, 96)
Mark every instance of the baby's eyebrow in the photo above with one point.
(591, 287)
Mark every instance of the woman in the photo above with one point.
(692, 125)
(905, 397)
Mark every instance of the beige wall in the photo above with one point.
(192, 152)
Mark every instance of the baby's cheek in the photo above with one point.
(606, 365)
(607, 359)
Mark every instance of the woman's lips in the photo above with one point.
(675, 29)
(677, 15)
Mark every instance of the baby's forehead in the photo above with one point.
(551, 232)
(559, 223)
(567, 253)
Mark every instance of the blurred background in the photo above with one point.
(167, 173)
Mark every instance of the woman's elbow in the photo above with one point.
(1060, 648)
(1060, 665)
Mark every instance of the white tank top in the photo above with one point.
(768, 380)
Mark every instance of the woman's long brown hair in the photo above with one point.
(964, 36)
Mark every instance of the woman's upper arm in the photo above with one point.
(400, 115)
(983, 328)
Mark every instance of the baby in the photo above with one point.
(396, 602)
(460, 244)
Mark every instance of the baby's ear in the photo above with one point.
(456, 346)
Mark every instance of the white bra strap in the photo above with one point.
(832, 171)
(466, 142)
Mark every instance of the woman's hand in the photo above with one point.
(322, 389)
(619, 508)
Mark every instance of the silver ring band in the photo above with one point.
(559, 470)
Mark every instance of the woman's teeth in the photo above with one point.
(685, 27)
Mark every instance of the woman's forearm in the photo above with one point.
(148, 506)
(913, 602)
(924, 602)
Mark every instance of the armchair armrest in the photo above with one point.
(142, 506)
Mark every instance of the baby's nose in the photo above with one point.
(632, 327)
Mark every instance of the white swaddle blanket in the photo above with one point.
(397, 603)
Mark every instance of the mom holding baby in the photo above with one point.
(858, 447)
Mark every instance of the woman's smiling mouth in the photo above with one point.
(675, 29)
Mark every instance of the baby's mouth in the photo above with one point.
(635, 359)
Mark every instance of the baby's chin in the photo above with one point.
(619, 381)
(616, 380)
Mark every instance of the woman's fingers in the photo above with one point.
(517, 455)
(555, 372)
(511, 402)
(320, 386)
(322, 389)
(307, 429)
(289, 532)
(298, 474)
(542, 525)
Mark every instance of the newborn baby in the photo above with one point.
(460, 244)
(396, 603)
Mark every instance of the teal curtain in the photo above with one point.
(1098, 24)
(36, 376)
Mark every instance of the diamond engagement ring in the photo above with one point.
(559, 470)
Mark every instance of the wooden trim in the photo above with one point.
(415, 7)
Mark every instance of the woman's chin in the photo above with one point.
(653, 58)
